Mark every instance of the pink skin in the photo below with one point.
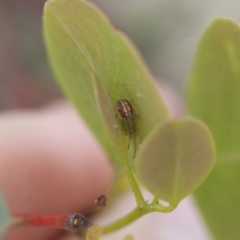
(50, 164)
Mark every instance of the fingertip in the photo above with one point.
(51, 163)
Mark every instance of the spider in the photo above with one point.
(127, 118)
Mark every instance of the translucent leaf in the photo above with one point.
(96, 65)
(213, 96)
(175, 159)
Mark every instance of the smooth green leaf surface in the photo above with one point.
(214, 97)
(214, 86)
(180, 156)
(96, 65)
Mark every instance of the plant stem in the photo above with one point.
(135, 188)
(163, 209)
(132, 216)
(142, 207)
(135, 214)
(155, 199)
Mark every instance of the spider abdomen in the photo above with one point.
(124, 108)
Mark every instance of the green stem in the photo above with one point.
(131, 217)
(155, 199)
(163, 209)
(142, 206)
(135, 188)
(135, 214)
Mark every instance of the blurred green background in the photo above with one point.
(166, 33)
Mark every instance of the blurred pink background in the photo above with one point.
(25, 78)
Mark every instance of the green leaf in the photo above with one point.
(213, 96)
(218, 199)
(96, 65)
(175, 159)
(214, 86)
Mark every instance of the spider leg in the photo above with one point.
(134, 146)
